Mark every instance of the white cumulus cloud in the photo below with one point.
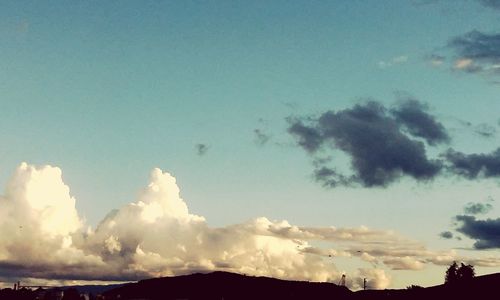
(42, 237)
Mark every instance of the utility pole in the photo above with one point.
(364, 283)
(342, 280)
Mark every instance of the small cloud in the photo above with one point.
(330, 178)
(485, 232)
(477, 52)
(467, 65)
(383, 64)
(261, 138)
(495, 4)
(446, 235)
(463, 63)
(436, 60)
(485, 130)
(473, 166)
(477, 208)
(423, 2)
(291, 105)
(201, 149)
(398, 60)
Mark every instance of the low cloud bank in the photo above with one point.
(42, 236)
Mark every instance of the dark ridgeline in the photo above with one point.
(227, 286)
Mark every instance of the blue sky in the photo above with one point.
(108, 91)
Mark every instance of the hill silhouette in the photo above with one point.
(94, 289)
(223, 285)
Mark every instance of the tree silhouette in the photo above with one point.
(455, 274)
(451, 275)
(465, 272)
(71, 294)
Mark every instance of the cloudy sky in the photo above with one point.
(295, 139)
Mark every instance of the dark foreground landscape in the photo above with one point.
(223, 285)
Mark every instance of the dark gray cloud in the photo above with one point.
(201, 149)
(19, 270)
(486, 233)
(380, 151)
(414, 115)
(328, 177)
(308, 137)
(474, 165)
(261, 138)
(477, 52)
(491, 3)
(495, 4)
(478, 45)
(477, 208)
(446, 235)
(423, 2)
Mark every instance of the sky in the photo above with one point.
(295, 139)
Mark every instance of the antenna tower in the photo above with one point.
(342, 280)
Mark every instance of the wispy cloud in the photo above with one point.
(477, 52)
(477, 208)
(436, 60)
(485, 130)
(398, 60)
(260, 137)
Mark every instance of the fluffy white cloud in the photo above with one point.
(38, 221)
(42, 236)
(40, 195)
(156, 236)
